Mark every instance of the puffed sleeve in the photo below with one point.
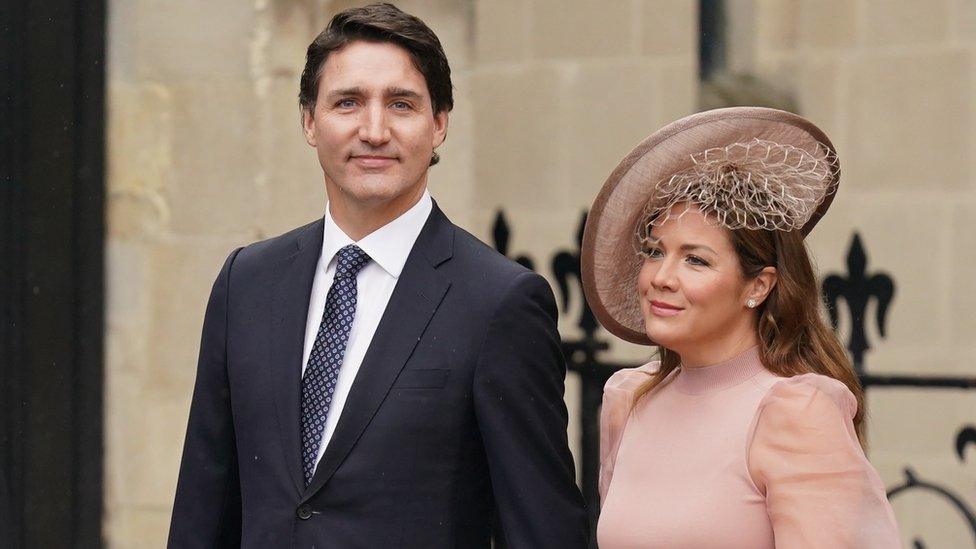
(618, 396)
(820, 489)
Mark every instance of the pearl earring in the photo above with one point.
(752, 303)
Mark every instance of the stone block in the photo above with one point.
(678, 92)
(215, 159)
(147, 462)
(127, 306)
(905, 236)
(828, 23)
(776, 25)
(610, 109)
(180, 40)
(962, 271)
(516, 138)
(183, 275)
(964, 20)
(139, 159)
(905, 22)
(910, 120)
(449, 19)
(740, 40)
(290, 180)
(776, 80)
(137, 527)
(452, 181)
(896, 429)
(817, 95)
(123, 391)
(901, 438)
(669, 27)
(501, 30)
(286, 30)
(165, 431)
(586, 28)
(451, 22)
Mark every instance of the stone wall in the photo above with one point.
(205, 154)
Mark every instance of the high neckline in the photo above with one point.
(709, 379)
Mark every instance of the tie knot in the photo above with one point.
(350, 260)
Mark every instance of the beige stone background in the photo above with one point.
(205, 154)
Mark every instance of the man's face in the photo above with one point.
(373, 127)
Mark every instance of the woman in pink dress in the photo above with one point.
(746, 432)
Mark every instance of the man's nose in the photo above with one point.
(373, 128)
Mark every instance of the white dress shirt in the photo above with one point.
(388, 248)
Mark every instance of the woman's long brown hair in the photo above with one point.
(794, 337)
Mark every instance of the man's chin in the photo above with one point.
(373, 194)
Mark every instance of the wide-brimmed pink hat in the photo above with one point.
(753, 143)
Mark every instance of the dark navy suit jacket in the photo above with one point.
(454, 430)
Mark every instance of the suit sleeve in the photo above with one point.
(518, 396)
(207, 510)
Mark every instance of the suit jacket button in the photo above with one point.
(304, 512)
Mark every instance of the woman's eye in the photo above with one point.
(651, 252)
(695, 260)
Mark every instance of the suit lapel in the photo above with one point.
(293, 277)
(417, 295)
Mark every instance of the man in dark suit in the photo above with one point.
(377, 378)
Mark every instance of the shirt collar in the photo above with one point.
(389, 245)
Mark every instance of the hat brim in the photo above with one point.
(608, 260)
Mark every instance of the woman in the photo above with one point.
(746, 432)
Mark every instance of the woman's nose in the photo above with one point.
(664, 278)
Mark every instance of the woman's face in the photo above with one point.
(692, 289)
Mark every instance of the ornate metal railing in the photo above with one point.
(856, 289)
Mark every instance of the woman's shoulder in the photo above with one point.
(629, 379)
(622, 386)
(802, 416)
(805, 391)
(618, 400)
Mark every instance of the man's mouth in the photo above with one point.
(373, 160)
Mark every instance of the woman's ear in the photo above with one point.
(760, 286)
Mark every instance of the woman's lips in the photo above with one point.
(660, 308)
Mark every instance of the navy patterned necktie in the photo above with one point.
(322, 371)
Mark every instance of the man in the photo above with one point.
(378, 378)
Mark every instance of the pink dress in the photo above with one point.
(731, 455)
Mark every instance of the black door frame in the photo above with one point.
(52, 194)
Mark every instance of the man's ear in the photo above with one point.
(762, 284)
(308, 125)
(440, 128)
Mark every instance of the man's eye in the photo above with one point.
(346, 103)
(400, 105)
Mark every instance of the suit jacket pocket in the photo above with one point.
(422, 379)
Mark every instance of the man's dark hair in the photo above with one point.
(380, 23)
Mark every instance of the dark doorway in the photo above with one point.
(51, 290)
